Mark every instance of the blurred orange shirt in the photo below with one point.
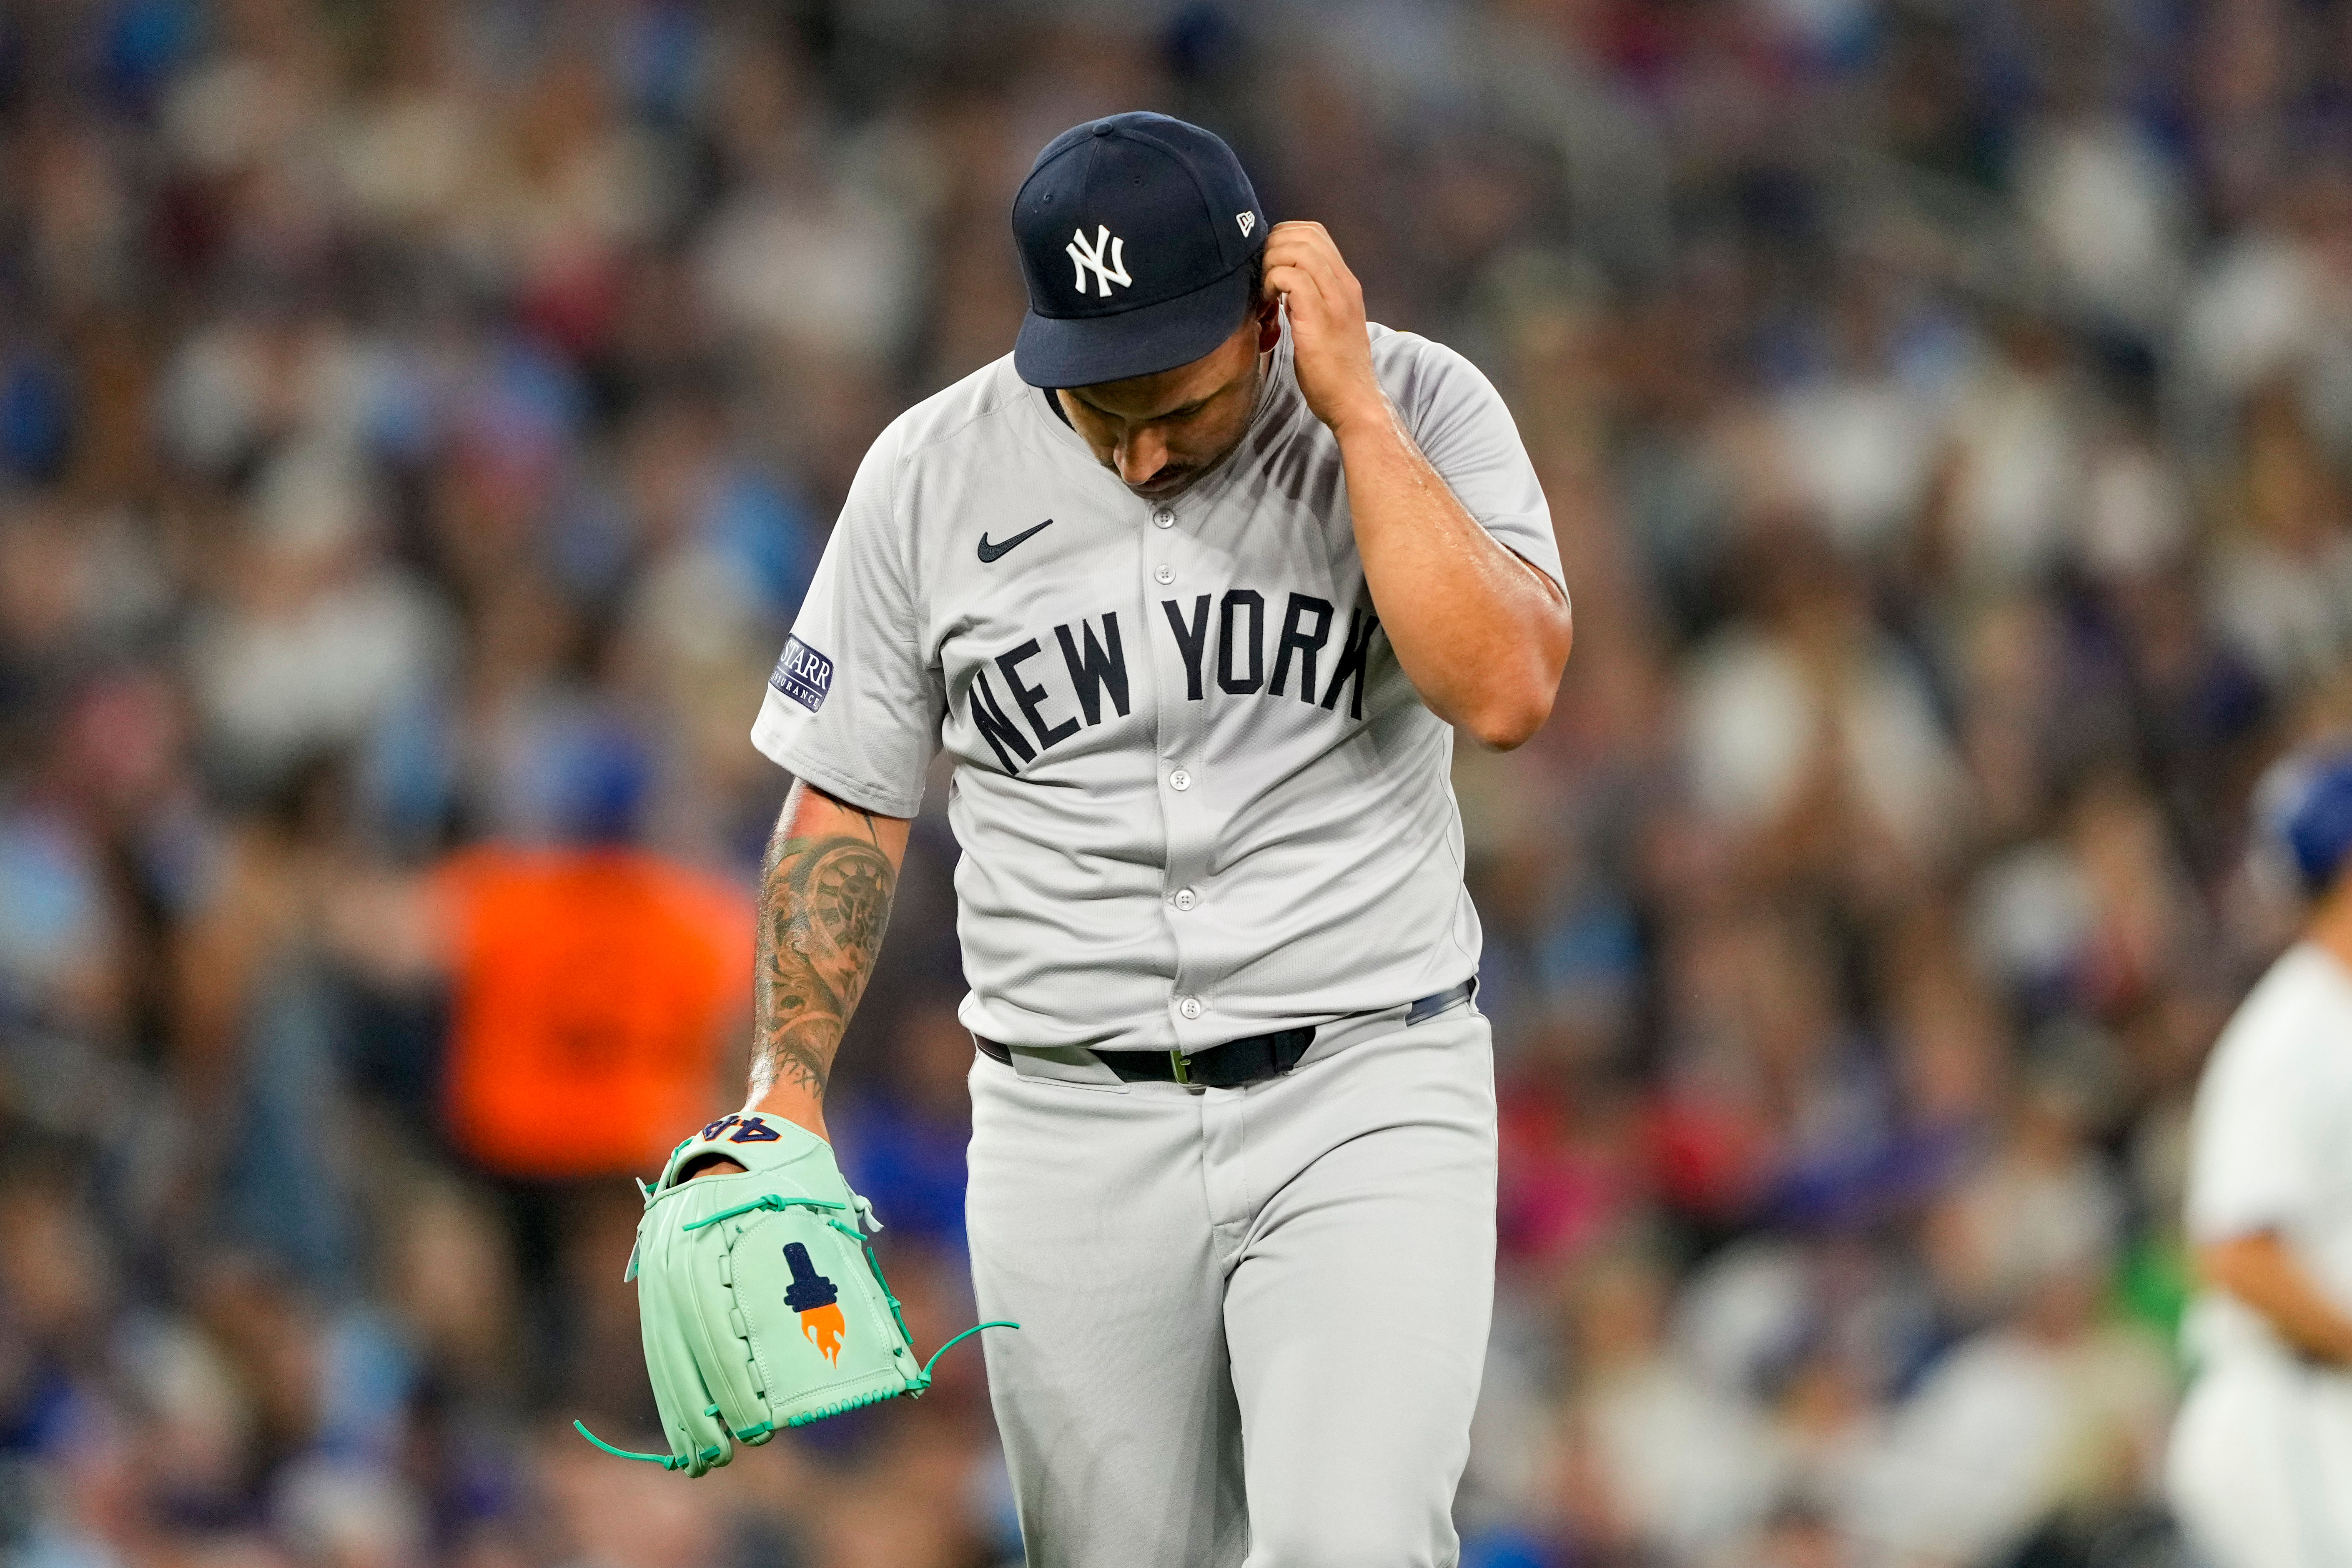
(593, 991)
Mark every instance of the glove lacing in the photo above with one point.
(776, 1203)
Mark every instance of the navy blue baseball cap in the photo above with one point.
(1134, 234)
(2303, 807)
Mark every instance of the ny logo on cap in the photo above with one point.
(1087, 256)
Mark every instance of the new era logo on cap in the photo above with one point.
(1129, 269)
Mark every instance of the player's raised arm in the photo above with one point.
(1482, 634)
(829, 875)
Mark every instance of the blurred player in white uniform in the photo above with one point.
(2261, 1468)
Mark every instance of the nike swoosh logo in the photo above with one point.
(991, 551)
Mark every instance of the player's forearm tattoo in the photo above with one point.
(825, 901)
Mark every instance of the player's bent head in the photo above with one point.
(2303, 812)
(1135, 233)
(1142, 244)
(1158, 432)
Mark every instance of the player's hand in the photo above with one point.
(759, 1303)
(1328, 348)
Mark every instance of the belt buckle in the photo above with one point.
(1180, 1066)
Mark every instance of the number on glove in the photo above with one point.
(747, 1129)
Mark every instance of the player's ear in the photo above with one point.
(1269, 320)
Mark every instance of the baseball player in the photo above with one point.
(2261, 1468)
(1193, 586)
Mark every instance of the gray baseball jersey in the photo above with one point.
(1197, 797)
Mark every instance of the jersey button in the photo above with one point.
(1180, 780)
(1185, 898)
(1165, 574)
(1191, 1007)
(1163, 518)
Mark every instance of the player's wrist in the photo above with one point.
(798, 1106)
(1364, 417)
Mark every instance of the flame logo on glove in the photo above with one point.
(817, 1300)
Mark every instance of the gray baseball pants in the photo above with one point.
(1252, 1319)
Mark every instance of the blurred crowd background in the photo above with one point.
(418, 421)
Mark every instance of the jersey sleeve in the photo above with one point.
(2249, 1157)
(854, 704)
(1462, 427)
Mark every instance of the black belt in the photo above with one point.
(1247, 1060)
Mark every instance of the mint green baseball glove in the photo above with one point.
(758, 1296)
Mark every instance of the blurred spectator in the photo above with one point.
(595, 989)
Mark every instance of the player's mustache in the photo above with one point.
(1173, 476)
